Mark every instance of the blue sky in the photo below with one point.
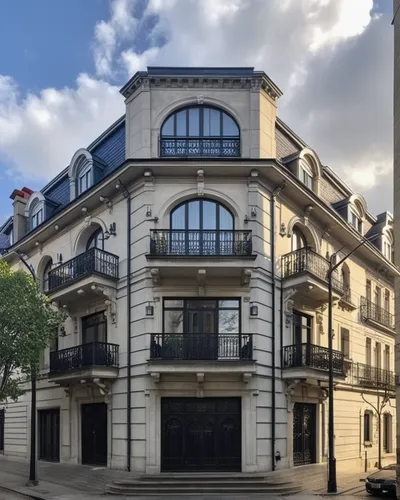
(62, 63)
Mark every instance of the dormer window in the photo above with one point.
(306, 175)
(200, 131)
(37, 216)
(84, 180)
(84, 171)
(355, 221)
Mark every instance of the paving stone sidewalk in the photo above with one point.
(77, 482)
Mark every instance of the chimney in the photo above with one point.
(20, 198)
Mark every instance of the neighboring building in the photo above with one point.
(211, 206)
(396, 185)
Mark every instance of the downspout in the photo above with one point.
(128, 331)
(120, 187)
(275, 193)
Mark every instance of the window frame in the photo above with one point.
(99, 319)
(345, 342)
(37, 215)
(95, 237)
(84, 175)
(368, 426)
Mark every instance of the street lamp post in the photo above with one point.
(33, 480)
(333, 265)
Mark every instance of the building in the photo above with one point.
(396, 185)
(189, 245)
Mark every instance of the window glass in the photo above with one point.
(96, 240)
(178, 218)
(194, 122)
(37, 218)
(225, 219)
(173, 321)
(230, 304)
(168, 127)
(345, 342)
(228, 321)
(229, 127)
(367, 426)
(181, 123)
(194, 215)
(209, 215)
(94, 328)
(173, 303)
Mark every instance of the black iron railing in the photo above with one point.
(312, 356)
(84, 356)
(372, 377)
(195, 146)
(307, 260)
(371, 311)
(346, 297)
(201, 346)
(93, 261)
(170, 242)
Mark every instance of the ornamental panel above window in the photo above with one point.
(200, 131)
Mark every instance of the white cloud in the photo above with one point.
(331, 58)
(40, 133)
(108, 34)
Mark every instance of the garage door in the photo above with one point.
(200, 434)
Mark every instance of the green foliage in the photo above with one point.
(28, 321)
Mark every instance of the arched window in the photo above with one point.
(200, 131)
(298, 239)
(46, 277)
(96, 240)
(345, 275)
(205, 227)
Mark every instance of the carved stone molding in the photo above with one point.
(246, 276)
(290, 390)
(288, 305)
(155, 276)
(200, 182)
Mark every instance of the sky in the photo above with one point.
(62, 65)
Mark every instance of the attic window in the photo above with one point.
(37, 215)
(306, 175)
(356, 221)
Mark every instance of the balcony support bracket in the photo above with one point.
(246, 276)
(155, 276)
(247, 377)
(290, 390)
(155, 376)
(110, 302)
(200, 387)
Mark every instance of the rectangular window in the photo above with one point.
(2, 419)
(386, 359)
(345, 342)
(37, 218)
(84, 182)
(302, 328)
(378, 355)
(378, 296)
(53, 345)
(368, 352)
(307, 179)
(387, 301)
(94, 328)
(368, 289)
(367, 426)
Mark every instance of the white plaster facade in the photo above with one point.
(245, 186)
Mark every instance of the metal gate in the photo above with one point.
(201, 434)
(49, 435)
(304, 432)
(94, 434)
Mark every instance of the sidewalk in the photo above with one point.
(72, 482)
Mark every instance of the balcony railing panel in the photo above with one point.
(84, 356)
(312, 356)
(201, 346)
(372, 377)
(173, 242)
(307, 260)
(93, 261)
(195, 146)
(371, 311)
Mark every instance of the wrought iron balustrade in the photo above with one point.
(371, 311)
(84, 356)
(312, 356)
(201, 346)
(307, 260)
(204, 146)
(93, 261)
(372, 377)
(210, 243)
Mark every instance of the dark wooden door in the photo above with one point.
(304, 433)
(201, 434)
(94, 434)
(49, 435)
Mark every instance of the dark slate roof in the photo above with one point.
(4, 242)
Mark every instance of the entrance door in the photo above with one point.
(49, 435)
(201, 338)
(94, 434)
(304, 433)
(201, 434)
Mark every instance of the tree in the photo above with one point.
(28, 322)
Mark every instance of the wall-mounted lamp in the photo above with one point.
(254, 212)
(106, 235)
(278, 456)
(63, 333)
(282, 232)
(113, 229)
(59, 258)
(148, 212)
(253, 310)
(149, 310)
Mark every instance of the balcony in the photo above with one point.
(311, 362)
(376, 316)
(82, 362)
(226, 147)
(306, 272)
(346, 300)
(201, 353)
(371, 377)
(82, 275)
(216, 253)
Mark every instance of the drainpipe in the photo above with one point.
(120, 187)
(275, 193)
